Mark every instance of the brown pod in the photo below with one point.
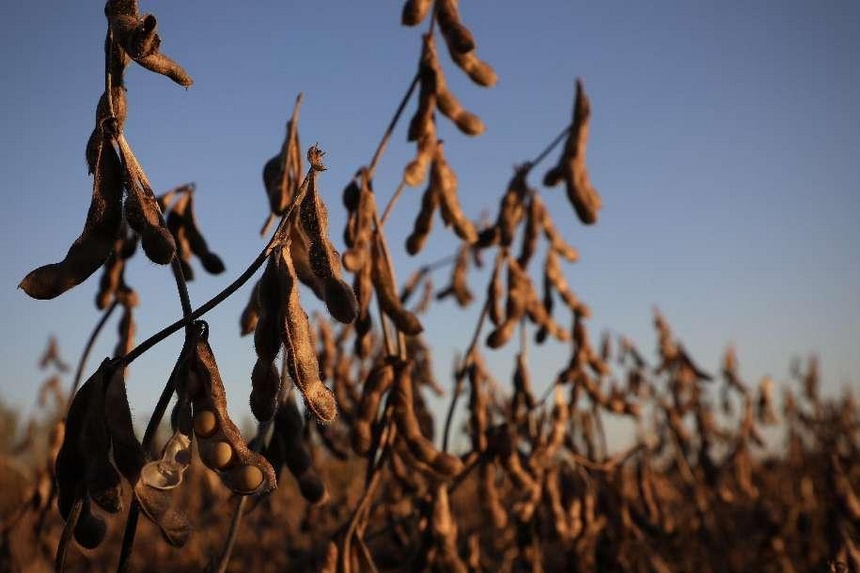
(444, 531)
(459, 286)
(379, 381)
(478, 415)
(328, 349)
(571, 167)
(301, 261)
(523, 383)
(386, 291)
(325, 261)
(136, 35)
(160, 507)
(126, 329)
(489, 495)
(407, 423)
(110, 280)
(554, 276)
(120, 112)
(478, 70)
(210, 261)
(96, 242)
(164, 65)
(428, 66)
(365, 213)
(414, 11)
(265, 386)
(433, 79)
(515, 305)
(423, 221)
(445, 179)
(512, 208)
(289, 425)
(556, 241)
(270, 302)
(537, 313)
(231, 459)
(416, 170)
(273, 173)
(495, 292)
(175, 225)
(531, 232)
(250, 314)
(101, 478)
(71, 463)
(509, 457)
(141, 209)
(90, 530)
(457, 36)
(300, 348)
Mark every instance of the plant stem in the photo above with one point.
(380, 149)
(224, 560)
(66, 536)
(85, 355)
(548, 149)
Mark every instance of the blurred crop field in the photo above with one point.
(698, 494)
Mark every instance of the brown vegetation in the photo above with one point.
(368, 487)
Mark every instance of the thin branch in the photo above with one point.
(548, 149)
(82, 362)
(66, 536)
(380, 149)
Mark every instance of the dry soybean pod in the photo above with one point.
(512, 209)
(459, 287)
(386, 291)
(515, 305)
(414, 11)
(141, 208)
(457, 36)
(325, 261)
(222, 447)
(446, 101)
(250, 314)
(378, 382)
(265, 379)
(530, 234)
(423, 221)
(357, 255)
(571, 167)
(556, 241)
(210, 261)
(95, 244)
(289, 424)
(478, 70)
(300, 347)
(445, 179)
(495, 292)
(298, 248)
(402, 399)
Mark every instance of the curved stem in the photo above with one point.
(390, 206)
(224, 560)
(82, 362)
(66, 537)
(548, 149)
(380, 149)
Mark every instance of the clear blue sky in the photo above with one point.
(725, 142)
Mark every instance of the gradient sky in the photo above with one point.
(725, 142)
